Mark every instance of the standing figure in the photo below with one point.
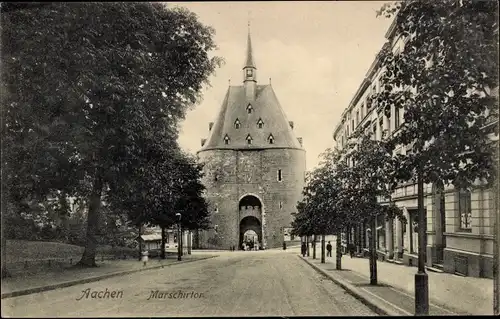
(303, 249)
(329, 250)
(352, 248)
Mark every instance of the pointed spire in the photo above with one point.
(249, 62)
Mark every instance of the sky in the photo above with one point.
(316, 54)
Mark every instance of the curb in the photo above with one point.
(374, 305)
(91, 279)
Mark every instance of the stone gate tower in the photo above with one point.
(254, 166)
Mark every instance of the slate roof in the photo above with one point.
(265, 107)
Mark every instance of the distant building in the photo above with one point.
(460, 224)
(150, 239)
(255, 166)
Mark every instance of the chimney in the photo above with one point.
(300, 140)
(203, 140)
(210, 125)
(291, 124)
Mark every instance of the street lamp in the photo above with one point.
(179, 234)
(421, 277)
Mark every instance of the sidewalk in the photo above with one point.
(18, 285)
(448, 294)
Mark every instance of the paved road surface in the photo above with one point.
(264, 283)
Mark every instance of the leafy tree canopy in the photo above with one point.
(92, 91)
(445, 80)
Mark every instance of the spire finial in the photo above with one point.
(249, 61)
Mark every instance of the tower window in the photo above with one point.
(249, 108)
(281, 205)
(216, 209)
(226, 140)
(280, 177)
(237, 124)
(271, 139)
(249, 72)
(249, 139)
(260, 123)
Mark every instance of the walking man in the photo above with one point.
(352, 249)
(303, 249)
(329, 250)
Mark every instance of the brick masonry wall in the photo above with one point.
(232, 174)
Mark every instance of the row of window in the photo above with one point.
(249, 139)
(237, 123)
(377, 127)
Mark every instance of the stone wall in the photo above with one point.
(232, 174)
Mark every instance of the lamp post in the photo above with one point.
(179, 234)
(496, 240)
(421, 277)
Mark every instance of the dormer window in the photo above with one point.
(271, 139)
(249, 139)
(226, 140)
(249, 108)
(260, 123)
(237, 124)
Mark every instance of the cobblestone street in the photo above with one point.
(261, 283)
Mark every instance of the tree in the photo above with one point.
(321, 210)
(168, 185)
(87, 101)
(369, 182)
(443, 80)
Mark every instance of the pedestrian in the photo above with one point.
(329, 250)
(303, 249)
(351, 249)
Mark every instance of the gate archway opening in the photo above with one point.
(250, 208)
(250, 231)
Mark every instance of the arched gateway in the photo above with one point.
(250, 212)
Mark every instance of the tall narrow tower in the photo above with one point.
(254, 166)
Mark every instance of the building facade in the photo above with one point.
(460, 224)
(254, 166)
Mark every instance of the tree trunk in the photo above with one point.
(5, 272)
(338, 262)
(140, 242)
(162, 255)
(314, 247)
(307, 245)
(322, 249)
(88, 257)
(373, 252)
(182, 242)
(348, 238)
